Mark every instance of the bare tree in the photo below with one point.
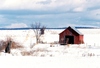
(42, 30)
(8, 47)
(37, 27)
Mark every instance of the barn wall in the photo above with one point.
(67, 32)
(61, 38)
(78, 39)
(81, 39)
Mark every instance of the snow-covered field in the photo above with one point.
(49, 54)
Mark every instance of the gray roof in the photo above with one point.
(76, 30)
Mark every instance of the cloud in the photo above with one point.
(71, 12)
(78, 9)
(95, 14)
(45, 2)
(78, 25)
(40, 4)
(66, 24)
(17, 25)
(20, 4)
(49, 5)
(25, 4)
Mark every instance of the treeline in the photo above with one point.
(48, 28)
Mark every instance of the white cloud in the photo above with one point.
(87, 10)
(78, 25)
(17, 25)
(20, 4)
(78, 9)
(38, 5)
(92, 3)
(67, 24)
(75, 5)
(94, 14)
(98, 23)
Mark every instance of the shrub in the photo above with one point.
(2, 45)
(27, 53)
(14, 45)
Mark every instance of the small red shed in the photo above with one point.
(71, 36)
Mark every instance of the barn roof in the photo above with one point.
(75, 30)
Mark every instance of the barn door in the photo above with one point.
(69, 39)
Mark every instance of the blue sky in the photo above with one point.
(50, 13)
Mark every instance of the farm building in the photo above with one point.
(70, 36)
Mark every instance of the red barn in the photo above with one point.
(71, 36)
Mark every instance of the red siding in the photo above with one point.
(78, 39)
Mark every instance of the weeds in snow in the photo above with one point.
(88, 54)
(37, 52)
(31, 46)
(27, 53)
(14, 45)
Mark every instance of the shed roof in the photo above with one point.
(75, 30)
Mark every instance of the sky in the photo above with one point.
(50, 13)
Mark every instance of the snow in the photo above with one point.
(91, 36)
(55, 62)
(50, 54)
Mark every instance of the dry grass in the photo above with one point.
(27, 53)
(2, 45)
(88, 54)
(14, 44)
(51, 45)
(34, 52)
